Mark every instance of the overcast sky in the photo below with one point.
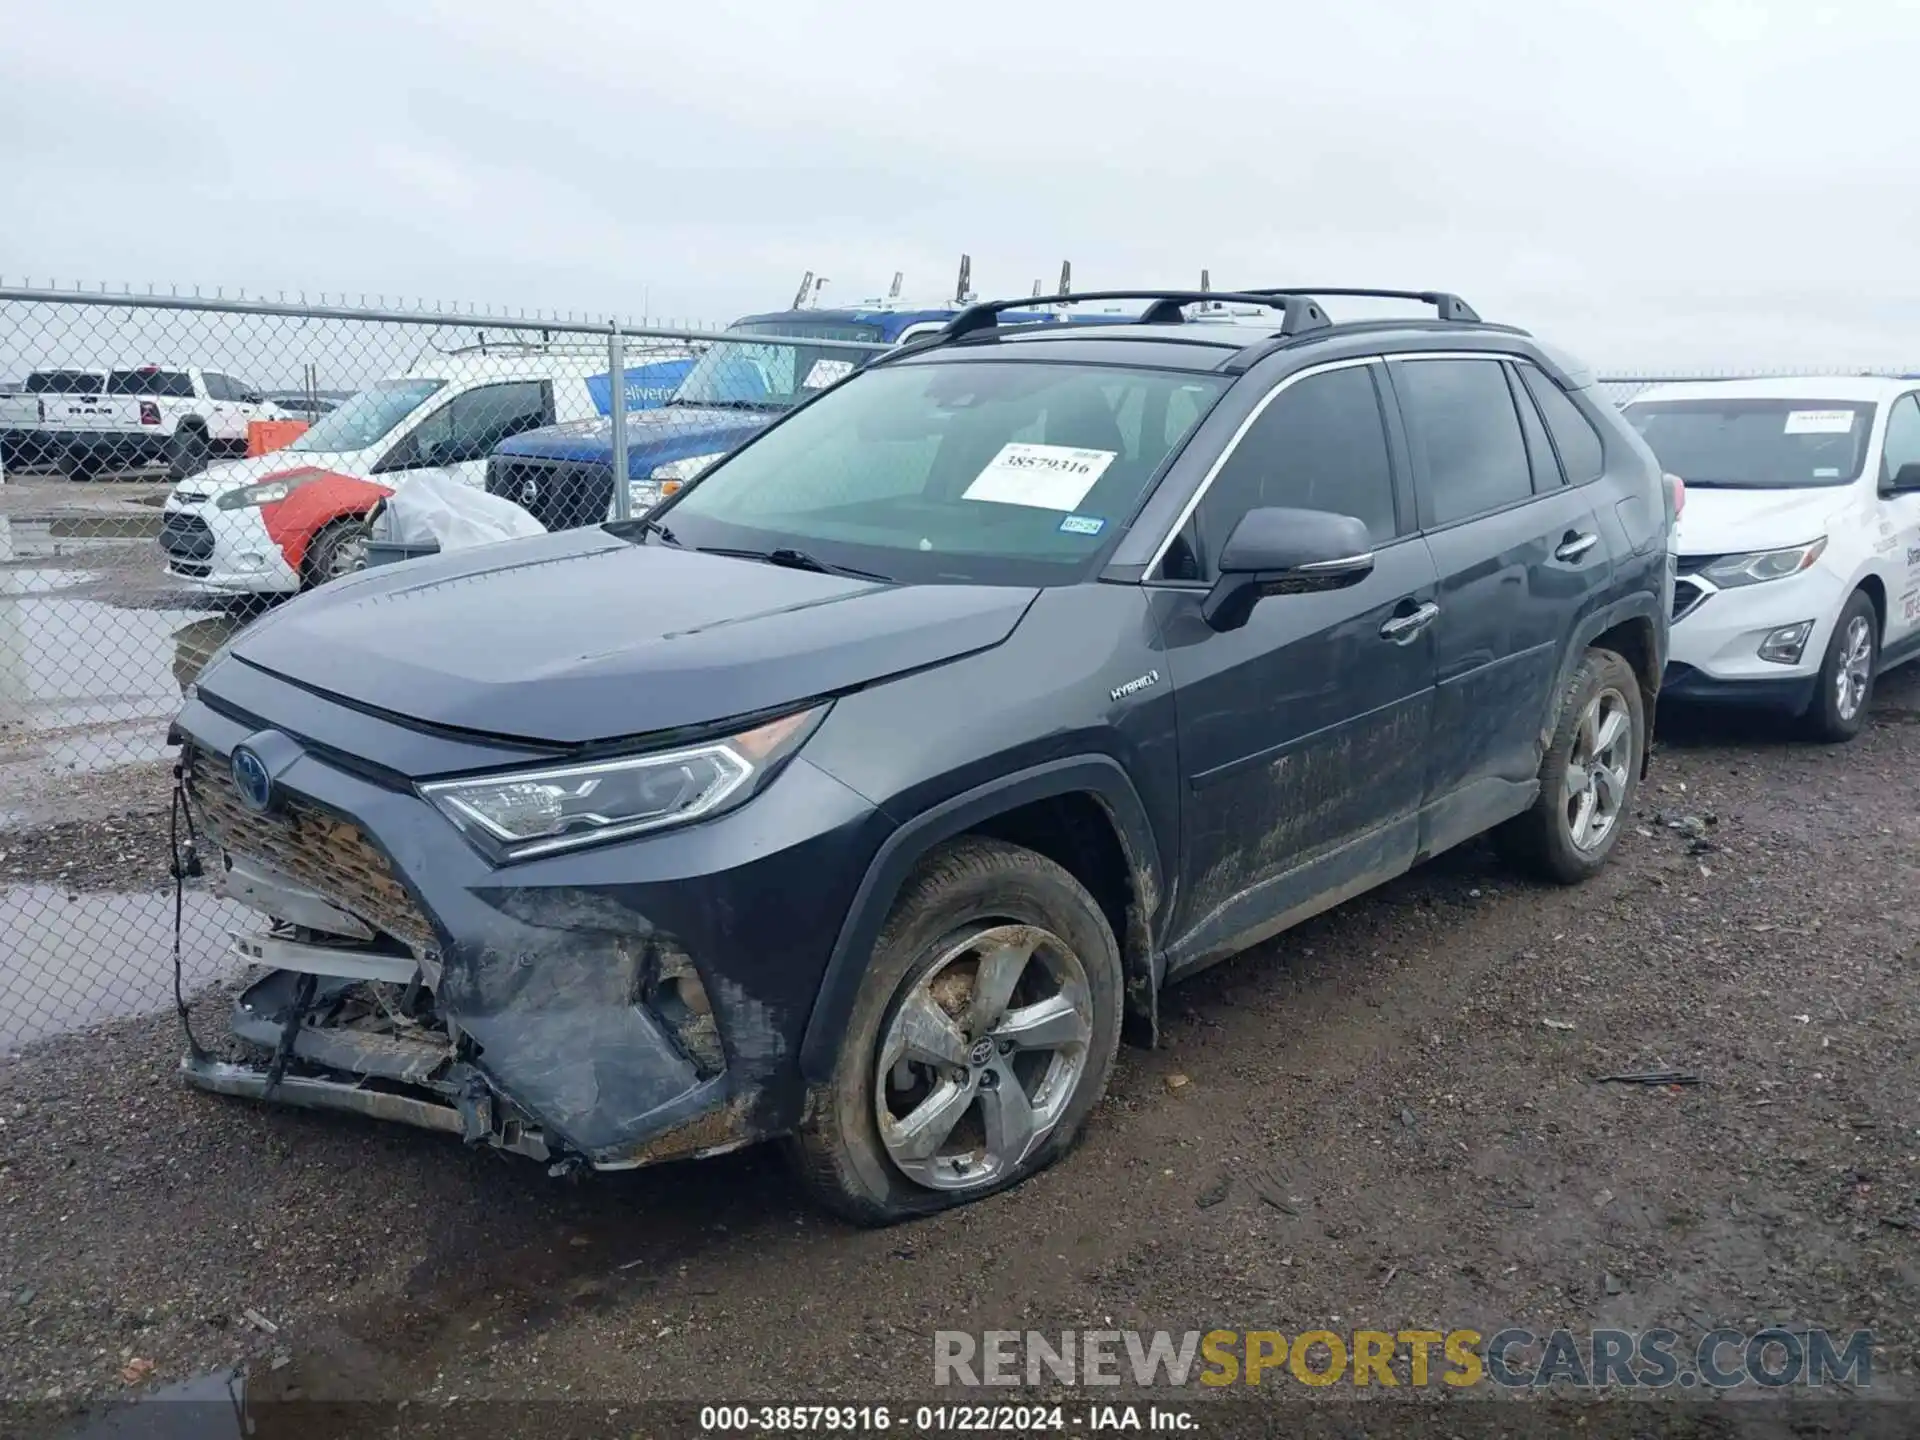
(1652, 183)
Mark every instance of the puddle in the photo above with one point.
(65, 964)
(207, 1407)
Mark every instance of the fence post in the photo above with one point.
(617, 394)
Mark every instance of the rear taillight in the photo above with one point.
(1679, 489)
(149, 413)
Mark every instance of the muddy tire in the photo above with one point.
(1588, 776)
(1845, 689)
(338, 550)
(983, 1036)
(187, 452)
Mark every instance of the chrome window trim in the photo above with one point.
(1239, 434)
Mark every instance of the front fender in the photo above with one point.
(1098, 775)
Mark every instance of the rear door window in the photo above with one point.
(1469, 451)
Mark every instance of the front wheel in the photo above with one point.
(340, 549)
(187, 452)
(1839, 708)
(983, 1035)
(1588, 776)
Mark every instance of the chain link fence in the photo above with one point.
(174, 466)
(170, 468)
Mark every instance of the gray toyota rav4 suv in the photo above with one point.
(862, 792)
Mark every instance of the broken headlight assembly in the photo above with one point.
(518, 814)
(1751, 569)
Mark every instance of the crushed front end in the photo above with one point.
(639, 1001)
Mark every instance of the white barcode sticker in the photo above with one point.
(825, 372)
(1046, 477)
(1819, 422)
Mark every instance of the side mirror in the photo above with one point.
(1285, 552)
(1905, 480)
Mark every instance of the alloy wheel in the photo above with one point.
(982, 1056)
(1597, 770)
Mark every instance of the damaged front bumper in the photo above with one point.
(613, 1007)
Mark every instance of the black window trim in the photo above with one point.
(1527, 403)
(1420, 480)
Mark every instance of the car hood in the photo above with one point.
(654, 437)
(582, 636)
(226, 475)
(1727, 522)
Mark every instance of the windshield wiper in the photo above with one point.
(791, 559)
(734, 404)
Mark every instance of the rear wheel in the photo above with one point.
(983, 1036)
(80, 464)
(338, 550)
(1839, 709)
(187, 452)
(1588, 776)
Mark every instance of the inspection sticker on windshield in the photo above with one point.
(1082, 525)
(1819, 422)
(1047, 477)
(825, 372)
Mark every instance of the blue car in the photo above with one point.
(758, 370)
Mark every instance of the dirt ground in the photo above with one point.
(1378, 1126)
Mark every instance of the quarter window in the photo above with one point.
(1319, 445)
(1462, 425)
(1581, 455)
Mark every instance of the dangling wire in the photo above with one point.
(182, 866)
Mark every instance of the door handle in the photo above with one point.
(1574, 546)
(1402, 628)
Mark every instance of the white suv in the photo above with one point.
(1799, 541)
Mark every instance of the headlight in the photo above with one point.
(265, 493)
(522, 813)
(687, 469)
(1731, 570)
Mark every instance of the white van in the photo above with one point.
(281, 522)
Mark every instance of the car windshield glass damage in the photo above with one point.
(979, 471)
(64, 382)
(770, 375)
(366, 417)
(1748, 443)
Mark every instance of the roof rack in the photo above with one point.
(1450, 306)
(1299, 313)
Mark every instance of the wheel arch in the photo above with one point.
(1632, 628)
(1082, 812)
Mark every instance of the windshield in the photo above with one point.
(367, 416)
(749, 375)
(1757, 444)
(64, 382)
(994, 472)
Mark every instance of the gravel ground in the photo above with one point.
(1370, 1122)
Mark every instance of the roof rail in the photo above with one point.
(1298, 312)
(1450, 306)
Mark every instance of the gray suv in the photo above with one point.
(859, 794)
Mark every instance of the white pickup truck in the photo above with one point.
(87, 421)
